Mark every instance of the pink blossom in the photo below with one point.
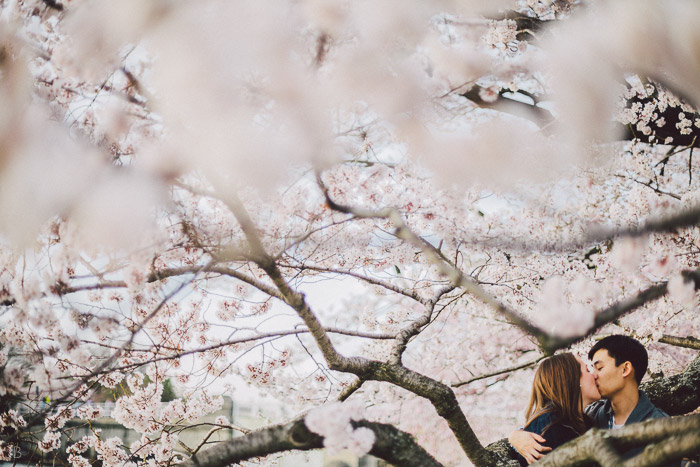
(627, 253)
(332, 421)
(682, 290)
(78, 461)
(50, 442)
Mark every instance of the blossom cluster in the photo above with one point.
(333, 422)
(12, 420)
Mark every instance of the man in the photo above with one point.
(619, 364)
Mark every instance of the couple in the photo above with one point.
(565, 397)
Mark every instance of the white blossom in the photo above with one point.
(332, 421)
(682, 290)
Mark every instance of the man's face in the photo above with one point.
(608, 377)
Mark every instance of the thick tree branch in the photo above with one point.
(678, 394)
(350, 390)
(666, 439)
(53, 4)
(687, 342)
(391, 445)
(661, 129)
(440, 395)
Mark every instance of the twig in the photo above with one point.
(500, 372)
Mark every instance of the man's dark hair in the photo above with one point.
(624, 349)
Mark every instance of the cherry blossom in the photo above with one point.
(360, 209)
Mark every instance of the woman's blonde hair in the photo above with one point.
(556, 389)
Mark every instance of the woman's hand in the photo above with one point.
(528, 445)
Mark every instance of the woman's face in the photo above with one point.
(589, 390)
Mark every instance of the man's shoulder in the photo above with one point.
(646, 410)
(597, 412)
(595, 407)
(657, 413)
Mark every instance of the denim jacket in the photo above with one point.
(601, 414)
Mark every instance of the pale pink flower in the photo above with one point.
(627, 253)
(332, 421)
(88, 412)
(682, 291)
(662, 266)
(78, 461)
(489, 94)
(51, 441)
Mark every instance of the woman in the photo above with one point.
(562, 388)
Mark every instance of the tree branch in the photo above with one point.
(370, 280)
(548, 342)
(291, 297)
(678, 394)
(666, 439)
(538, 115)
(445, 267)
(391, 445)
(350, 390)
(402, 338)
(227, 343)
(610, 314)
(687, 342)
(686, 218)
(162, 274)
(440, 396)
(53, 4)
(499, 372)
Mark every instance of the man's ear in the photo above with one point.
(627, 370)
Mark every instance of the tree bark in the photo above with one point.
(666, 440)
(678, 394)
(391, 445)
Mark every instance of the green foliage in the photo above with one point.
(168, 391)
